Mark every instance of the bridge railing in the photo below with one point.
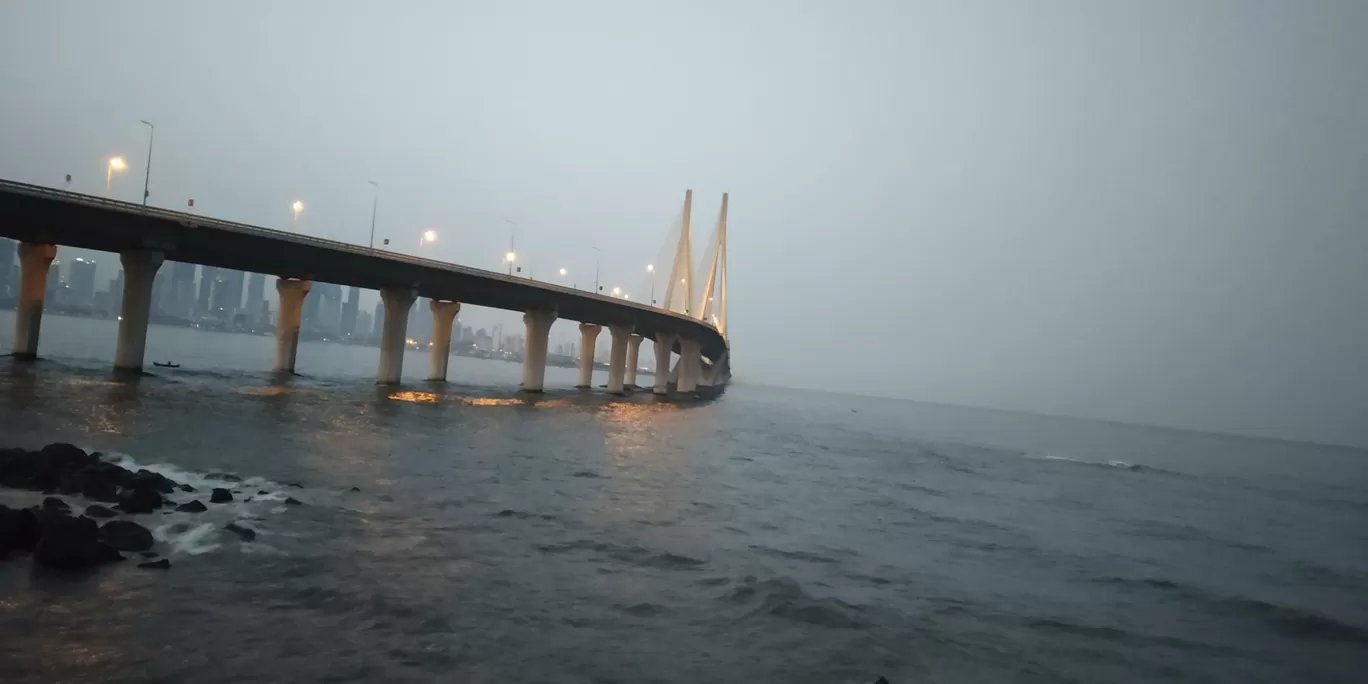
(194, 220)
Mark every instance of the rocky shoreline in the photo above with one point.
(58, 539)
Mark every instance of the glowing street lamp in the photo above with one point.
(650, 268)
(115, 164)
(297, 207)
(510, 257)
(564, 272)
(617, 292)
(428, 236)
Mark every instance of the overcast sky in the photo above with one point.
(1142, 211)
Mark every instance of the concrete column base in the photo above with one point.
(394, 334)
(140, 269)
(664, 346)
(291, 314)
(538, 322)
(617, 359)
(633, 361)
(443, 313)
(690, 366)
(588, 338)
(34, 262)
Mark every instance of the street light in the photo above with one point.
(147, 178)
(650, 268)
(115, 164)
(297, 207)
(598, 256)
(510, 257)
(512, 232)
(375, 202)
(563, 272)
(617, 292)
(428, 236)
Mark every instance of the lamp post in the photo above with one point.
(598, 255)
(428, 236)
(115, 164)
(147, 178)
(510, 257)
(650, 268)
(297, 207)
(375, 202)
(512, 252)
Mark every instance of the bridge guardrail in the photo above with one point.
(197, 219)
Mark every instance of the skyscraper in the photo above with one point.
(8, 272)
(256, 293)
(378, 324)
(161, 292)
(329, 306)
(82, 282)
(206, 288)
(182, 296)
(227, 297)
(308, 318)
(349, 311)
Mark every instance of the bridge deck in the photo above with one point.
(36, 214)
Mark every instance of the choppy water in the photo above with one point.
(768, 536)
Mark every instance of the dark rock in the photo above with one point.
(109, 554)
(18, 529)
(70, 544)
(220, 495)
(146, 479)
(262, 492)
(355, 489)
(139, 500)
(246, 533)
(187, 488)
(192, 507)
(291, 501)
(98, 511)
(162, 564)
(53, 503)
(148, 554)
(126, 535)
(296, 485)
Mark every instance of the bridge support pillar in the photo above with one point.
(664, 346)
(690, 365)
(443, 313)
(394, 335)
(538, 322)
(34, 262)
(588, 337)
(291, 314)
(617, 358)
(140, 269)
(633, 360)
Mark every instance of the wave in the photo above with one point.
(1294, 621)
(782, 597)
(634, 555)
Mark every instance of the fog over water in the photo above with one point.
(1143, 212)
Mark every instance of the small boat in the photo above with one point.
(168, 364)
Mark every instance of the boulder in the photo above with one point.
(160, 564)
(291, 501)
(187, 488)
(246, 533)
(98, 511)
(192, 507)
(53, 503)
(126, 535)
(18, 529)
(146, 479)
(220, 495)
(139, 500)
(70, 544)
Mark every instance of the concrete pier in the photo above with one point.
(633, 360)
(291, 313)
(538, 322)
(34, 262)
(443, 313)
(617, 358)
(589, 333)
(664, 344)
(140, 269)
(690, 365)
(394, 334)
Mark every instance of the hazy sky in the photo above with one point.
(1149, 211)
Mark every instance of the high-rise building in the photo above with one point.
(206, 288)
(363, 324)
(54, 280)
(378, 325)
(329, 307)
(161, 292)
(349, 312)
(227, 297)
(82, 282)
(256, 293)
(116, 294)
(182, 296)
(9, 277)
